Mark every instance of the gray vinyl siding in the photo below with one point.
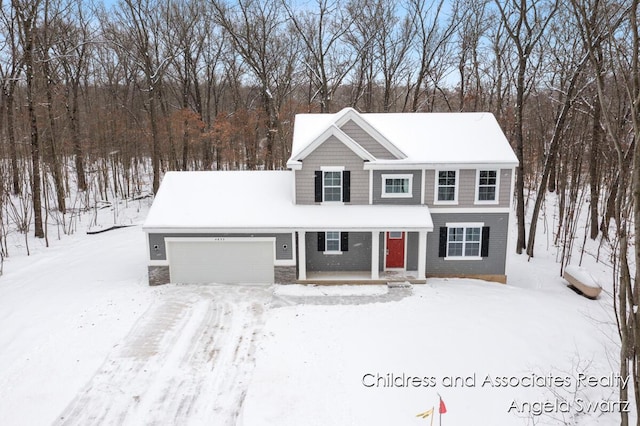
(412, 251)
(467, 189)
(357, 258)
(160, 253)
(332, 152)
(416, 189)
(493, 264)
(366, 141)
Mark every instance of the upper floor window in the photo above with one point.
(446, 186)
(332, 184)
(487, 191)
(397, 186)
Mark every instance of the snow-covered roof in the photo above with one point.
(429, 139)
(262, 200)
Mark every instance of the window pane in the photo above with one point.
(456, 234)
(455, 249)
(332, 194)
(487, 193)
(396, 186)
(332, 178)
(473, 234)
(446, 194)
(472, 249)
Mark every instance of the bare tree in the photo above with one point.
(525, 23)
(26, 14)
(328, 58)
(258, 34)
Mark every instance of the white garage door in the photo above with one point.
(228, 261)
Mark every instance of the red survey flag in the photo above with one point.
(443, 408)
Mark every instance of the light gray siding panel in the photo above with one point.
(429, 182)
(332, 152)
(505, 187)
(416, 189)
(494, 264)
(366, 141)
(357, 258)
(160, 253)
(467, 189)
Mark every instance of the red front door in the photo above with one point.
(395, 250)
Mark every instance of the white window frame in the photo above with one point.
(333, 169)
(385, 194)
(465, 226)
(455, 190)
(326, 242)
(497, 198)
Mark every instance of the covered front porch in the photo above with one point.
(359, 256)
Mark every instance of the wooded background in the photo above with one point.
(96, 99)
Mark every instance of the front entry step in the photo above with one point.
(399, 284)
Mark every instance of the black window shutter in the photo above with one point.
(318, 186)
(321, 245)
(484, 250)
(442, 247)
(344, 241)
(346, 186)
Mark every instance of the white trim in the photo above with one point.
(375, 255)
(332, 168)
(284, 262)
(158, 263)
(455, 189)
(513, 187)
(341, 136)
(385, 194)
(422, 254)
(293, 195)
(285, 230)
(415, 165)
(461, 257)
(480, 209)
(423, 190)
(302, 255)
(497, 200)
(352, 114)
(370, 186)
(464, 224)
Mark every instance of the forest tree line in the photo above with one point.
(95, 98)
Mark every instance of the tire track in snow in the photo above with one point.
(188, 360)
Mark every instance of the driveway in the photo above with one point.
(188, 360)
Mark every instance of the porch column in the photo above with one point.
(302, 255)
(375, 253)
(422, 254)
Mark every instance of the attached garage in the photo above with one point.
(221, 260)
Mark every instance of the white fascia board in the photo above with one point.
(480, 210)
(413, 165)
(352, 114)
(282, 230)
(294, 165)
(341, 136)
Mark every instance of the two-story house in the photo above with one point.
(368, 198)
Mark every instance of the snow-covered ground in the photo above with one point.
(85, 341)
